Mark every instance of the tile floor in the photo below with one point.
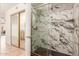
(9, 50)
(12, 51)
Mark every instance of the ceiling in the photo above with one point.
(4, 7)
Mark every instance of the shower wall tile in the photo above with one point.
(62, 31)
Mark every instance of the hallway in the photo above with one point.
(14, 32)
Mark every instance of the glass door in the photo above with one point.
(22, 30)
(15, 32)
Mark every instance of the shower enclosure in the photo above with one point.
(54, 29)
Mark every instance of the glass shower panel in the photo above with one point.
(40, 30)
(14, 27)
(22, 30)
(53, 29)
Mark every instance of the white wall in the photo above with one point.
(16, 9)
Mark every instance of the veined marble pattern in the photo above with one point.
(52, 29)
(62, 31)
